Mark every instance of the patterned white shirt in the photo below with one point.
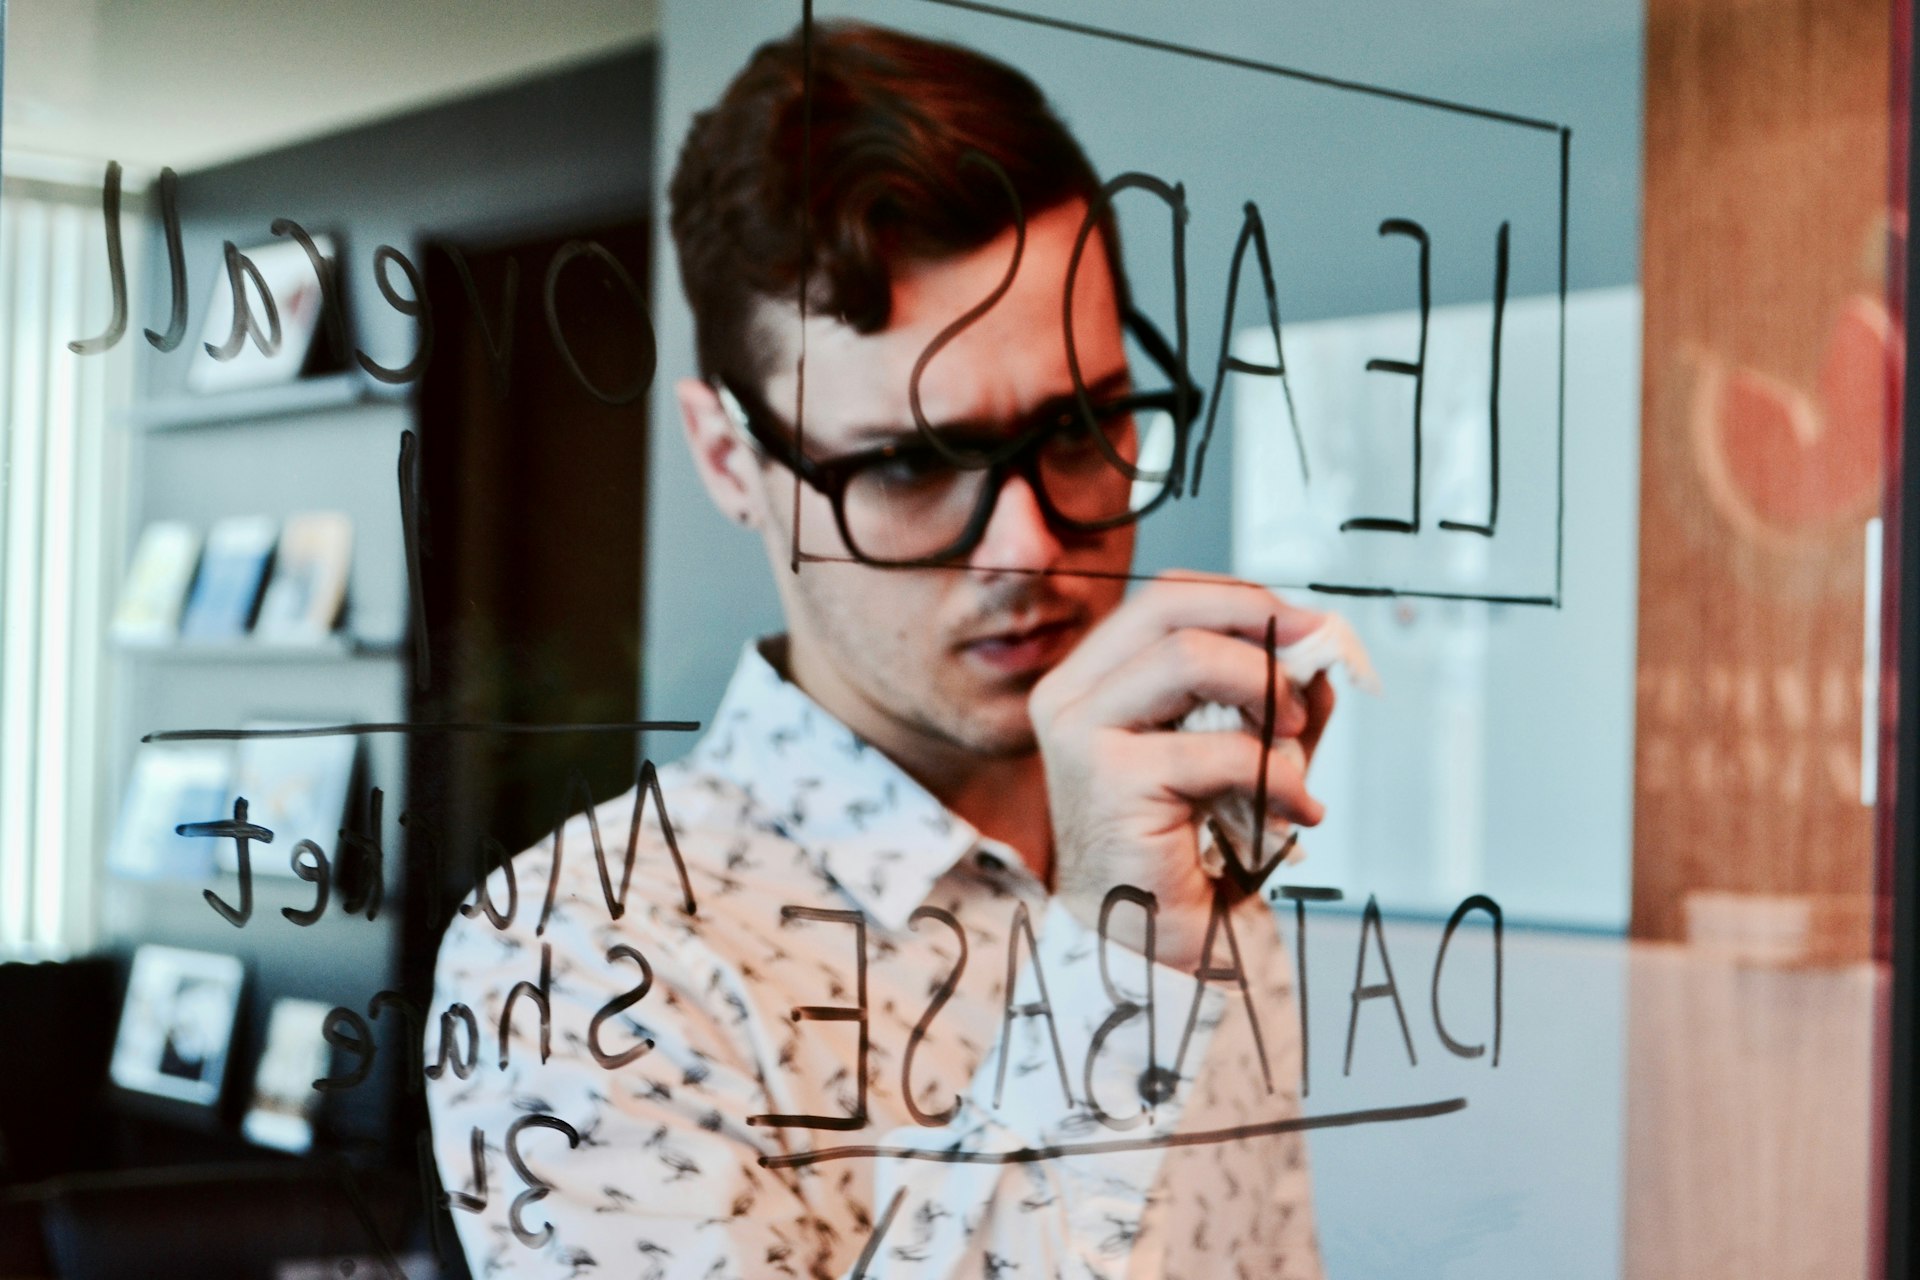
(825, 879)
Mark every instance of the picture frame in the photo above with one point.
(167, 786)
(295, 787)
(176, 1024)
(283, 269)
(293, 1056)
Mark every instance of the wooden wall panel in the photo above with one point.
(1749, 1119)
(1766, 362)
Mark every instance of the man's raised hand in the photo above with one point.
(1126, 788)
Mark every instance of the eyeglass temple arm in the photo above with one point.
(736, 414)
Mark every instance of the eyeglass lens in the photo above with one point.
(920, 506)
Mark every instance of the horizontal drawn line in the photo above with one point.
(1250, 64)
(401, 726)
(1323, 588)
(1059, 1151)
(1337, 589)
(812, 557)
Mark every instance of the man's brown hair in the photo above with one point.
(896, 129)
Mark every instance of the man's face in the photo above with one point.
(945, 657)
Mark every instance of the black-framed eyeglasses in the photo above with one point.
(920, 501)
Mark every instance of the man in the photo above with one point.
(941, 835)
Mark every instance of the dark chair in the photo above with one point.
(53, 1066)
(219, 1223)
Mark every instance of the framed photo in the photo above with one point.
(296, 1054)
(176, 1026)
(169, 786)
(295, 788)
(288, 275)
(309, 583)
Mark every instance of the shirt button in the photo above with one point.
(1157, 1085)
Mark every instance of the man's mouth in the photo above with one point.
(1026, 650)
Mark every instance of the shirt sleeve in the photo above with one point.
(652, 1170)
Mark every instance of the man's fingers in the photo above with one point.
(1186, 669)
(1318, 697)
(1166, 605)
(1206, 766)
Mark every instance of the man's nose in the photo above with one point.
(1017, 535)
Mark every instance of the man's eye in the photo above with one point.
(911, 467)
(1115, 422)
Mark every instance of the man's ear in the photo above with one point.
(726, 462)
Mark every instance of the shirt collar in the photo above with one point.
(855, 813)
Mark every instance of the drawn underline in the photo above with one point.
(1058, 1151)
(402, 726)
(1251, 64)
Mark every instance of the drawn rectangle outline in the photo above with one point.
(1510, 119)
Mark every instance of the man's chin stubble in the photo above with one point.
(988, 742)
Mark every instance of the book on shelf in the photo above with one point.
(309, 583)
(154, 593)
(232, 569)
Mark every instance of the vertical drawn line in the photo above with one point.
(806, 264)
(1560, 515)
(1257, 862)
(1500, 253)
(410, 530)
(364, 1213)
(1415, 369)
(176, 265)
(1420, 382)
(873, 1241)
(116, 271)
(431, 1191)
(1493, 391)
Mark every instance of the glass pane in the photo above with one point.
(411, 860)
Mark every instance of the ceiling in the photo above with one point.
(189, 83)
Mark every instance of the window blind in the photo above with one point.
(61, 536)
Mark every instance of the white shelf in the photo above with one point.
(333, 648)
(306, 395)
